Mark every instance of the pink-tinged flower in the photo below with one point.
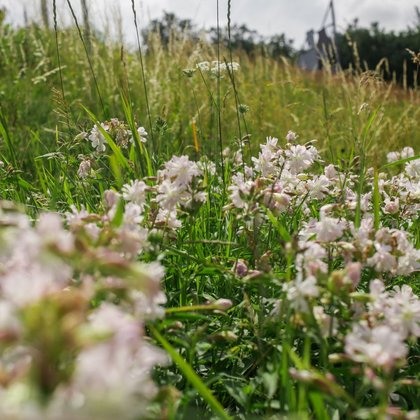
(10, 325)
(132, 214)
(318, 186)
(240, 268)
(291, 136)
(311, 258)
(391, 207)
(407, 152)
(168, 219)
(29, 281)
(111, 198)
(329, 229)
(404, 311)
(133, 239)
(413, 169)
(353, 272)
(380, 346)
(84, 169)
(148, 306)
(383, 261)
(330, 172)
(125, 358)
(223, 304)
(393, 157)
(52, 233)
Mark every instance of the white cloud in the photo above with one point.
(267, 16)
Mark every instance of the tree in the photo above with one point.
(169, 26)
(375, 44)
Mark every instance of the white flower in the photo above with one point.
(329, 229)
(97, 138)
(142, 133)
(407, 152)
(203, 66)
(379, 346)
(409, 262)
(378, 298)
(413, 168)
(362, 235)
(217, 66)
(393, 157)
(404, 311)
(168, 218)
(299, 158)
(382, 260)
(170, 194)
(298, 292)
(132, 214)
(135, 192)
(318, 186)
(181, 170)
(208, 166)
(125, 358)
(240, 190)
(233, 66)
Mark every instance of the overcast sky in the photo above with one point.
(293, 17)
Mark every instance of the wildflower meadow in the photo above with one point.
(188, 232)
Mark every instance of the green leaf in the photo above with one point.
(399, 162)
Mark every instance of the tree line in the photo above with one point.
(359, 48)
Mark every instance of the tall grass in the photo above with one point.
(246, 360)
(333, 109)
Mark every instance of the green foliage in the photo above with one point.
(242, 361)
(385, 52)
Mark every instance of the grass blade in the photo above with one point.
(191, 376)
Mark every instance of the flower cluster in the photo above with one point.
(63, 337)
(117, 130)
(340, 247)
(177, 188)
(217, 67)
(377, 338)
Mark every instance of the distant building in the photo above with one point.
(309, 59)
(322, 53)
